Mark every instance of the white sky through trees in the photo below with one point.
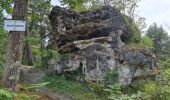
(153, 10)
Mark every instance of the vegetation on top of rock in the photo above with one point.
(136, 34)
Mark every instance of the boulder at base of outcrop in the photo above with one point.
(136, 64)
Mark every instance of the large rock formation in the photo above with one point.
(92, 41)
(69, 26)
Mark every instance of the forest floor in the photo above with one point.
(43, 93)
(58, 88)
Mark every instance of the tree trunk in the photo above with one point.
(28, 46)
(15, 46)
(29, 54)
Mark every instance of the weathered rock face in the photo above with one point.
(69, 26)
(93, 40)
(136, 64)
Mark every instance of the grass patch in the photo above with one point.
(73, 89)
(132, 46)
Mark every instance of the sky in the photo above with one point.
(153, 10)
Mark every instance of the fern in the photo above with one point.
(34, 86)
(25, 97)
(114, 91)
(6, 95)
(116, 94)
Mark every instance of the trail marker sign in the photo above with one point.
(14, 25)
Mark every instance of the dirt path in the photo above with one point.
(51, 95)
(29, 75)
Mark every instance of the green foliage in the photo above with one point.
(136, 37)
(115, 93)
(146, 42)
(39, 31)
(33, 87)
(25, 97)
(31, 40)
(160, 39)
(98, 89)
(49, 54)
(160, 88)
(37, 55)
(42, 57)
(6, 5)
(75, 75)
(111, 77)
(73, 89)
(132, 46)
(157, 91)
(164, 63)
(3, 48)
(166, 74)
(139, 96)
(6, 95)
(77, 5)
(150, 88)
(126, 6)
(63, 86)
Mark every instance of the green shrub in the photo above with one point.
(139, 96)
(61, 85)
(42, 57)
(164, 63)
(111, 77)
(157, 91)
(146, 42)
(115, 93)
(133, 28)
(132, 46)
(70, 88)
(150, 88)
(97, 88)
(166, 74)
(51, 54)
(6, 95)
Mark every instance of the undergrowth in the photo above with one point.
(73, 89)
(5, 94)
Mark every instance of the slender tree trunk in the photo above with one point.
(41, 36)
(30, 55)
(29, 49)
(15, 46)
